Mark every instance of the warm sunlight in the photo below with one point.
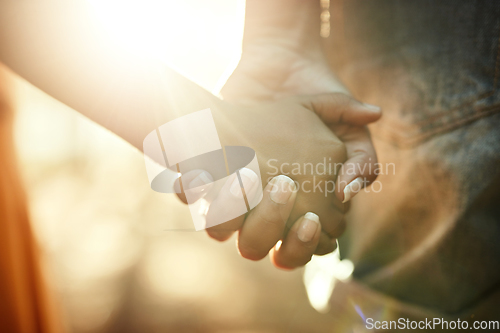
(249, 166)
(182, 33)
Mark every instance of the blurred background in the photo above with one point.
(109, 252)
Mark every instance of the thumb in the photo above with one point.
(335, 108)
(361, 168)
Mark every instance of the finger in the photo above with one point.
(228, 208)
(329, 209)
(300, 243)
(223, 231)
(326, 244)
(265, 224)
(331, 213)
(361, 167)
(334, 108)
(195, 180)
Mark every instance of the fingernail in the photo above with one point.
(371, 107)
(249, 180)
(203, 178)
(352, 189)
(282, 190)
(308, 227)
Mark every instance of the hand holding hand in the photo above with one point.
(292, 132)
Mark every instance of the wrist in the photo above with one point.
(291, 24)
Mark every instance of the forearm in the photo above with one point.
(59, 47)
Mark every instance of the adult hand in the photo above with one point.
(275, 66)
(294, 136)
(273, 69)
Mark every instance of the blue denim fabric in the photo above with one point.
(431, 236)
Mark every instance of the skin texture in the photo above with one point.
(282, 56)
(59, 47)
(292, 130)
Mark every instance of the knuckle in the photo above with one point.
(341, 101)
(271, 220)
(340, 98)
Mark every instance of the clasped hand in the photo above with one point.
(295, 218)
